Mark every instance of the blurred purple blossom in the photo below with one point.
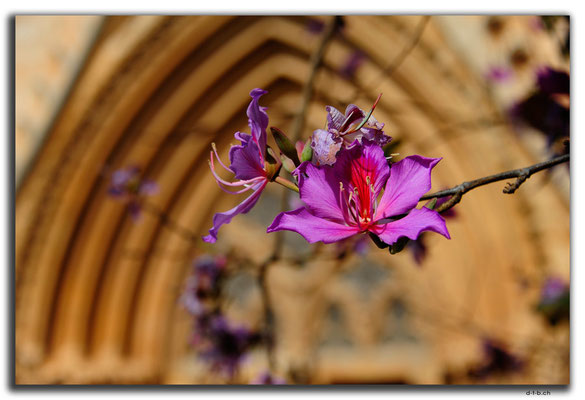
(203, 284)
(499, 74)
(224, 345)
(551, 81)
(352, 63)
(127, 185)
(542, 109)
(554, 301)
(496, 360)
(315, 26)
(552, 290)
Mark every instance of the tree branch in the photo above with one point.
(316, 60)
(299, 124)
(396, 62)
(170, 224)
(521, 174)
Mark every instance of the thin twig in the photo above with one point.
(397, 61)
(170, 224)
(316, 60)
(299, 124)
(521, 174)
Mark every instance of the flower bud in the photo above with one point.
(307, 154)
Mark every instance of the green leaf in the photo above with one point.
(285, 145)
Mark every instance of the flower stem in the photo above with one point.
(286, 183)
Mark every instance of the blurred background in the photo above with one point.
(99, 278)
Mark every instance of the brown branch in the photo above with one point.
(521, 174)
(397, 61)
(316, 60)
(299, 124)
(168, 223)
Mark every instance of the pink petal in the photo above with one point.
(352, 114)
(319, 190)
(409, 179)
(312, 228)
(325, 146)
(257, 118)
(245, 160)
(220, 219)
(412, 225)
(334, 118)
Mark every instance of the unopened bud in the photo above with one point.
(307, 154)
(287, 163)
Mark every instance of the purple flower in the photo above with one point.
(203, 284)
(496, 360)
(247, 164)
(127, 185)
(552, 290)
(499, 74)
(266, 378)
(342, 200)
(224, 345)
(315, 27)
(543, 113)
(352, 63)
(341, 132)
(542, 110)
(555, 302)
(551, 81)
